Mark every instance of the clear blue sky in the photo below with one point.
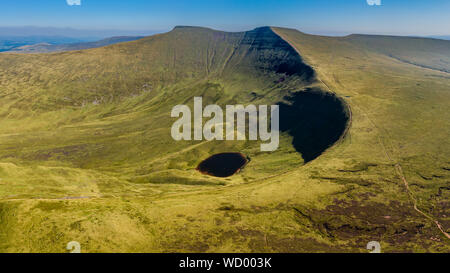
(402, 17)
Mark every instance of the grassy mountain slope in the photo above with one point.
(402, 110)
(86, 152)
(426, 53)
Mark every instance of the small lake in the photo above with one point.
(223, 165)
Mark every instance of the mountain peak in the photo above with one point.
(189, 27)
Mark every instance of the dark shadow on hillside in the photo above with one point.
(315, 119)
(277, 54)
(261, 50)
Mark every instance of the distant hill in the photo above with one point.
(28, 31)
(424, 52)
(46, 47)
(9, 43)
(442, 37)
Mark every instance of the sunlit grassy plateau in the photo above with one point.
(86, 153)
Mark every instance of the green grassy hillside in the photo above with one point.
(426, 53)
(400, 124)
(86, 153)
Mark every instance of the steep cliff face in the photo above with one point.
(264, 51)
